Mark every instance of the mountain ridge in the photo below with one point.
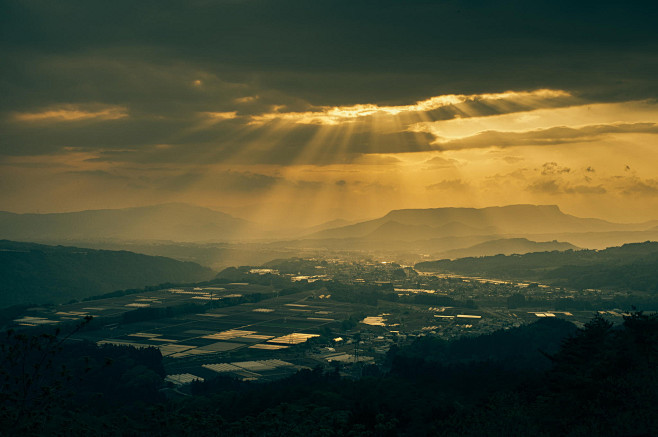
(167, 222)
(507, 246)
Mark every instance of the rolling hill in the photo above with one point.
(169, 222)
(507, 246)
(36, 273)
(627, 267)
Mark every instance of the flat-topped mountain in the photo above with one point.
(410, 224)
(168, 222)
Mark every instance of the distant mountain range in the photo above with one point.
(439, 231)
(217, 239)
(409, 224)
(169, 222)
(36, 273)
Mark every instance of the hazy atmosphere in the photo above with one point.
(328, 218)
(306, 112)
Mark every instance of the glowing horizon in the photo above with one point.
(313, 125)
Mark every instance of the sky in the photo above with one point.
(302, 111)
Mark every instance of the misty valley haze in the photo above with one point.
(218, 240)
(332, 218)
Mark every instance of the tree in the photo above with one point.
(33, 381)
(605, 379)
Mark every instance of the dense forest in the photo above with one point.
(547, 378)
(628, 267)
(36, 273)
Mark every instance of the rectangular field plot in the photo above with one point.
(199, 341)
(239, 336)
(183, 378)
(33, 321)
(294, 338)
(220, 346)
(170, 349)
(251, 367)
(221, 367)
(190, 352)
(198, 332)
(228, 335)
(261, 366)
(268, 346)
(144, 335)
(291, 324)
(257, 337)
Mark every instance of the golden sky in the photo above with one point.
(282, 117)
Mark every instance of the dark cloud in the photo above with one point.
(512, 159)
(551, 168)
(549, 186)
(640, 187)
(329, 52)
(440, 162)
(556, 187)
(450, 184)
(164, 64)
(153, 141)
(585, 189)
(98, 174)
(545, 137)
(374, 159)
(8, 162)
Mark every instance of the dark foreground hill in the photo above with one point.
(35, 273)
(628, 267)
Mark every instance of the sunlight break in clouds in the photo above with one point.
(339, 114)
(70, 112)
(641, 115)
(219, 116)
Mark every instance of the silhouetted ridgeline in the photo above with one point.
(628, 267)
(35, 273)
(543, 379)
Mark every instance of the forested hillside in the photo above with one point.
(35, 273)
(628, 267)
